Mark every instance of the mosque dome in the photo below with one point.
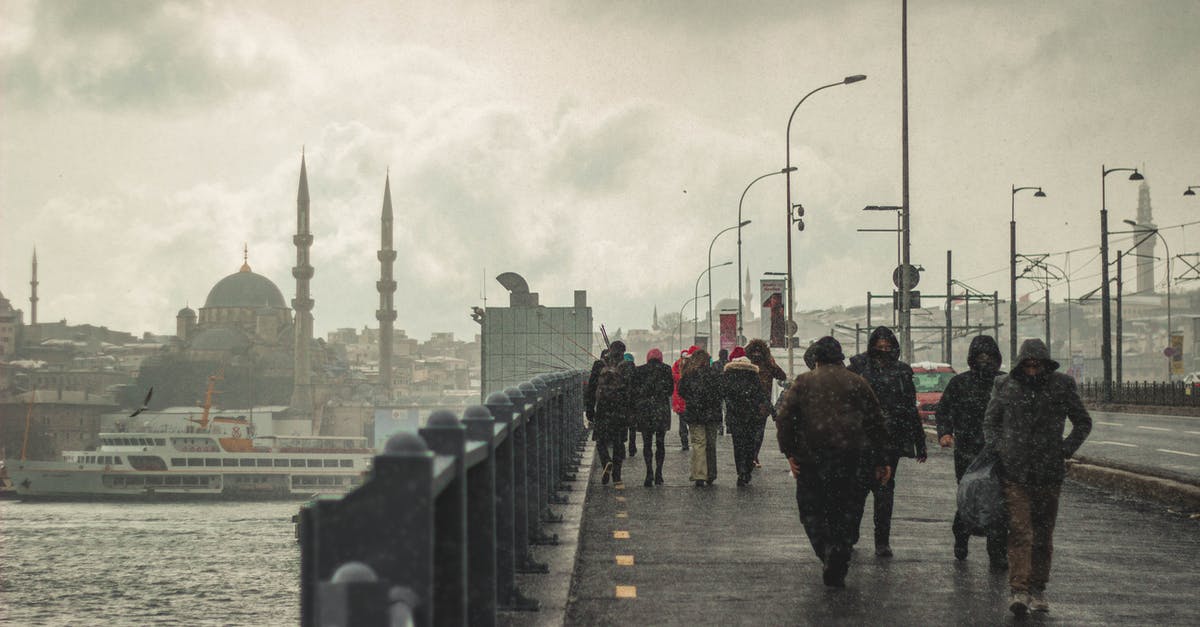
(186, 312)
(245, 289)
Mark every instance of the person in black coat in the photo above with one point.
(892, 381)
(608, 405)
(960, 425)
(744, 400)
(653, 384)
(700, 387)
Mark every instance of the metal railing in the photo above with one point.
(447, 516)
(1173, 394)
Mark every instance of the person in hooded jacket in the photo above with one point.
(633, 430)
(892, 381)
(700, 387)
(960, 425)
(1024, 421)
(608, 404)
(654, 385)
(768, 373)
(830, 428)
(744, 400)
(677, 402)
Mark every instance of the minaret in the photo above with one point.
(302, 393)
(33, 297)
(1145, 250)
(654, 325)
(386, 314)
(748, 297)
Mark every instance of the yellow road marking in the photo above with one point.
(620, 535)
(619, 499)
(626, 592)
(622, 514)
(624, 560)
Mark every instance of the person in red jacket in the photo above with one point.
(677, 402)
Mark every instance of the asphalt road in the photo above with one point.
(1170, 443)
(722, 555)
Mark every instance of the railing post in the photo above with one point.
(481, 519)
(511, 543)
(446, 436)
(525, 501)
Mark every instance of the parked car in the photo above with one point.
(930, 379)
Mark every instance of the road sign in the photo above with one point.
(1168, 352)
(914, 275)
(792, 327)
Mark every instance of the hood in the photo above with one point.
(984, 345)
(758, 352)
(1035, 349)
(886, 334)
(828, 350)
(617, 347)
(741, 363)
(654, 355)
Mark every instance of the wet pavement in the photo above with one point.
(681, 555)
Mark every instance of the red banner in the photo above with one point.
(728, 330)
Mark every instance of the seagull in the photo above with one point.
(145, 403)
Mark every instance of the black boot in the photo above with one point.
(649, 482)
(658, 479)
(960, 547)
(616, 472)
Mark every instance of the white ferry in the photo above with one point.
(221, 459)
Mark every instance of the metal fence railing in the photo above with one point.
(446, 518)
(1167, 394)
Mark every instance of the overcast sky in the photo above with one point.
(583, 145)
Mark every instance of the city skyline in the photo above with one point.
(613, 141)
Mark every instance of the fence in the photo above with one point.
(1172, 394)
(437, 532)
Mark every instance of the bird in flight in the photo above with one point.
(145, 403)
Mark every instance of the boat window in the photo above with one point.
(297, 463)
(154, 480)
(346, 463)
(330, 463)
(160, 441)
(230, 462)
(117, 459)
(314, 463)
(212, 461)
(173, 480)
(178, 461)
(195, 461)
(281, 462)
(191, 481)
(264, 462)
(246, 461)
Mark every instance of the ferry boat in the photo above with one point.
(217, 459)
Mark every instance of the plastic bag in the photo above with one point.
(981, 504)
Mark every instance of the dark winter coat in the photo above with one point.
(744, 397)
(1026, 418)
(768, 372)
(965, 399)
(892, 381)
(701, 390)
(828, 410)
(653, 385)
(610, 419)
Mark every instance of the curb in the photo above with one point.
(1176, 494)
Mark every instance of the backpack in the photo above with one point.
(610, 386)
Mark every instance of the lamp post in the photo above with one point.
(1105, 309)
(1067, 277)
(741, 340)
(788, 171)
(1140, 228)
(1012, 276)
(1190, 191)
(680, 325)
(739, 226)
(696, 293)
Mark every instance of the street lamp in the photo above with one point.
(739, 226)
(679, 330)
(1139, 228)
(1190, 191)
(741, 340)
(696, 292)
(1106, 311)
(788, 170)
(1012, 276)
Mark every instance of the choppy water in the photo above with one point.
(139, 564)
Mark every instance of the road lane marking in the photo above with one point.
(626, 592)
(624, 560)
(1153, 428)
(622, 514)
(1192, 432)
(1111, 424)
(1117, 443)
(619, 499)
(1163, 450)
(620, 535)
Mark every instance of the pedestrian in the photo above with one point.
(607, 404)
(892, 382)
(677, 402)
(744, 401)
(768, 373)
(633, 431)
(719, 366)
(830, 427)
(960, 425)
(700, 387)
(1025, 420)
(653, 386)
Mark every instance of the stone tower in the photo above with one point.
(1145, 250)
(302, 304)
(386, 314)
(33, 297)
